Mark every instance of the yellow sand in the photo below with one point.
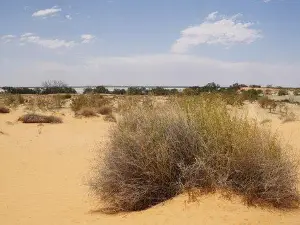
(44, 171)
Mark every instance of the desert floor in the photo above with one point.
(45, 169)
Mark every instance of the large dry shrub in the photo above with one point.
(36, 118)
(4, 109)
(158, 152)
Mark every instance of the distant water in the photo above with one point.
(80, 90)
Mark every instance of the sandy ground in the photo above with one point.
(44, 171)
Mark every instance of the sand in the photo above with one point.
(44, 172)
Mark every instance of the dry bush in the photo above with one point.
(159, 152)
(4, 109)
(267, 103)
(110, 118)
(36, 118)
(13, 100)
(86, 112)
(289, 117)
(45, 102)
(104, 110)
(90, 100)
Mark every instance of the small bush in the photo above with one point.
(36, 118)
(289, 117)
(13, 100)
(66, 96)
(89, 101)
(104, 110)
(282, 92)
(86, 112)
(267, 103)
(157, 153)
(4, 109)
(296, 92)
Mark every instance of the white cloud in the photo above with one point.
(7, 38)
(47, 43)
(47, 12)
(87, 38)
(69, 17)
(212, 16)
(266, 1)
(225, 31)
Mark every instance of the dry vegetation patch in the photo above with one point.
(156, 153)
(4, 109)
(104, 110)
(110, 118)
(86, 112)
(36, 118)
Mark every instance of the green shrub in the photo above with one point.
(251, 94)
(296, 92)
(157, 153)
(282, 92)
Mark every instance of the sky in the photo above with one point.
(157, 42)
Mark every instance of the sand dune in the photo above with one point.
(44, 171)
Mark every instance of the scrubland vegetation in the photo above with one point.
(192, 141)
(157, 152)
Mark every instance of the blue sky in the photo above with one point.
(158, 42)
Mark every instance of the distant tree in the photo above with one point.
(137, 91)
(119, 92)
(282, 92)
(211, 87)
(56, 87)
(237, 86)
(20, 90)
(101, 90)
(159, 91)
(269, 86)
(88, 90)
(255, 86)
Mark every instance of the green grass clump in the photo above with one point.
(156, 153)
(36, 118)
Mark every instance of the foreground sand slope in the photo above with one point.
(44, 170)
